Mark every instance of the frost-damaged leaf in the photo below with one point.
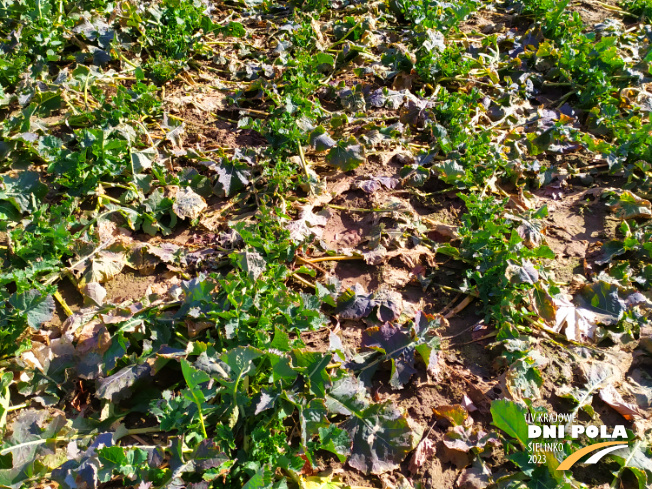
(381, 438)
(142, 160)
(509, 416)
(603, 300)
(474, 477)
(381, 435)
(26, 446)
(390, 304)
(95, 292)
(638, 461)
(424, 451)
(347, 155)
(610, 395)
(376, 183)
(355, 303)
(103, 267)
(19, 189)
(394, 345)
(36, 307)
(252, 263)
(231, 177)
(399, 346)
(321, 140)
(118, 386)
(466, 438)
(308, 224)
(580, 323)
(630, 206)
(523, 378)
(595, 376)
(414, 174)
(188, 204)
(415, 113)
(522, 274)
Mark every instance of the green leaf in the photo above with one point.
(335, 440)
(36, 307)
(509, 416)
(142, 160)
(22, 190)
(346, 154)
(6, 380)
(630, 206)
(313, 367)
(193, 376)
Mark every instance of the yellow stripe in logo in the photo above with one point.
(571, 459)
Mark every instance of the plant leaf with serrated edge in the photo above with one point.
(335, 440)
(596, 375)
(381, 435)
(231, 177)
(313, 367)
(602, 298)
(346, 155)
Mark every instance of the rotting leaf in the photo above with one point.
(610, 396)
(308, 224)
(425, 449)
(580, 323)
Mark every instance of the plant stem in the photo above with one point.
(333, 258)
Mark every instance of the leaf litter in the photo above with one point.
(285, 170)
